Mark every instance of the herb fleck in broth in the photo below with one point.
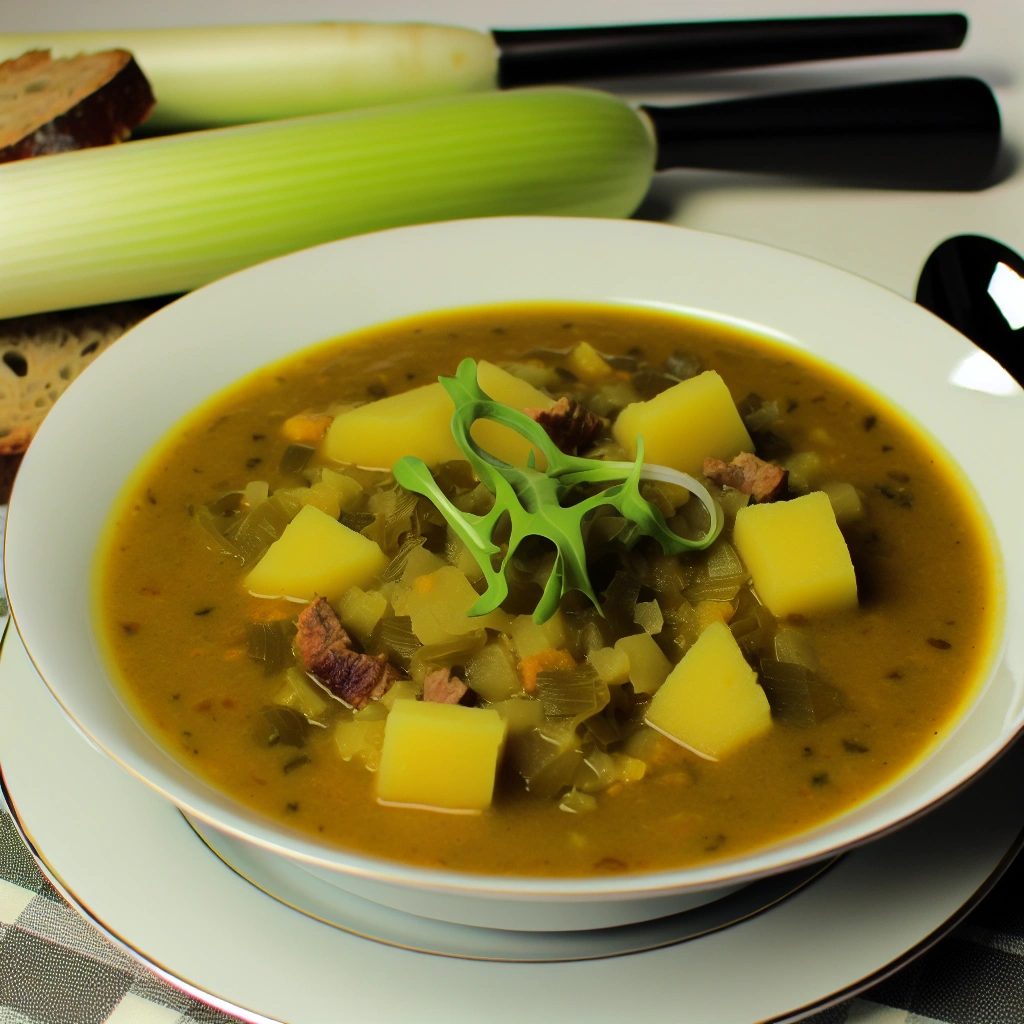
(185, 636)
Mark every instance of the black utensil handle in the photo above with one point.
(538, 56)
(941, 133)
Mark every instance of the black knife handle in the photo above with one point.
(538, 56)
(941, 133)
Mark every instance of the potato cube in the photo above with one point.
(684, 425)
(315, 556)
(648, 666)
(796, 555)
(438, 604)
(441, 756)
(588, 364)
(378, 434)
(711, 702)
(418, 422)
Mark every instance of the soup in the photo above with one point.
(606, 749)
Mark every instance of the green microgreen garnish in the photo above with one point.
(533, 499)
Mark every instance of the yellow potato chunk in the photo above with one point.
(648, 666)
(710, 701)
(378, 434)
(796, 555)
(438, 604)
(682, 426)
(315, 557)
(418, 422)
(440, 756)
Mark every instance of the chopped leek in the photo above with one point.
(166, 215)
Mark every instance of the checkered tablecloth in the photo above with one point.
(55, 968)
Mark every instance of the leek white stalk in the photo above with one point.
(223, 75)
(166, 215)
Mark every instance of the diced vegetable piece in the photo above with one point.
(344, 488)
(795, 695)
(323, 497)
(712, 611)
(394, 637)
(543, 661)
(305, 428)
(611, 664)
(647, 615)
(648, 666)
(630, 769)
(577, 802)
(438, 604)
(256, 492)
(547, 759)
(711, 702)
(521, 715)
(446, 654)
(271, 644)
(492, 674)
(530, 638)
(588, 364)
(302, 695)
(315, 556)
(794, 647)
(360, 611)
(361, 739)
(846, 503)
(685, 424)
(804, 468)
(440, 756)
(286, 726)
(574, 693)
(400, 689)
(796, 555)
(420, 562)
(645, 745)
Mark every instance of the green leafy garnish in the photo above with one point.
(533, 499)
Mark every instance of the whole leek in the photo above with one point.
(233, 74)
(166, 215)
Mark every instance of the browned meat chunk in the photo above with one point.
(51, 106)
(570, 425)
(751, 475)
(319, 630)
(352, 677)
(441, 687)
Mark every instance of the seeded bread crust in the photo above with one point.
(52, 106)
(41, 355)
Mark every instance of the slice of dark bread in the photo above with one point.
(41, 355)
(52, 106)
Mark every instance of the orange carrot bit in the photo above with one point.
(233, 654)
(531, 665)
(306, 427)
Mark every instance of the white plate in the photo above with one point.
(130, 861)
(141, 387)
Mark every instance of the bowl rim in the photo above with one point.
(578, 234)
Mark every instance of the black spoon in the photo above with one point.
(976, 285)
